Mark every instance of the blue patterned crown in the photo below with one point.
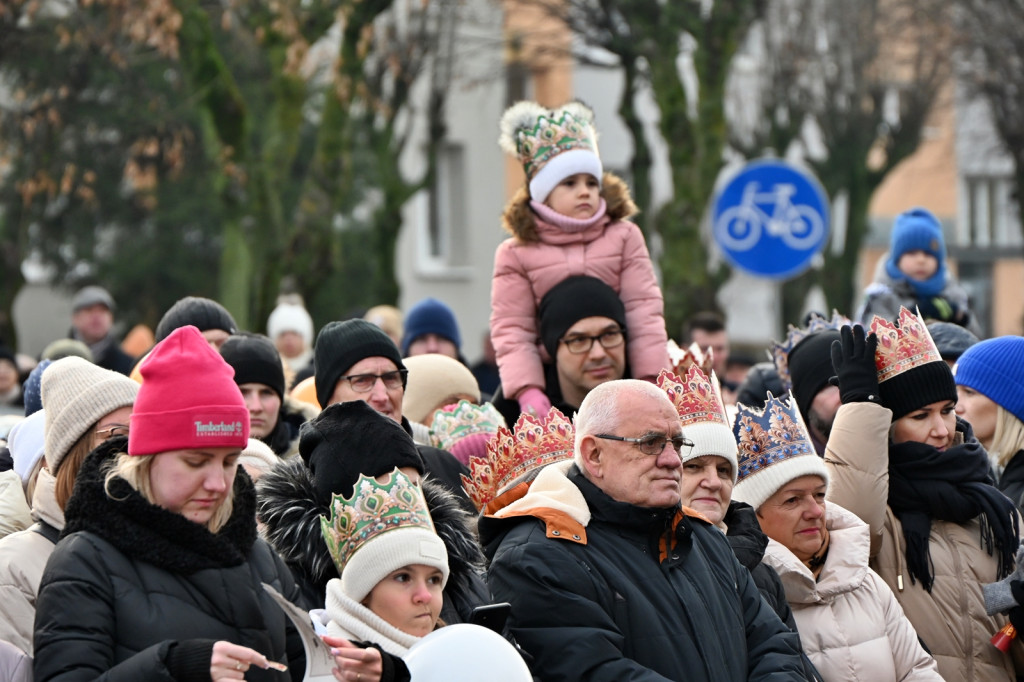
(780, 351)
(770, 436)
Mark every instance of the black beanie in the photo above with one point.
(349, 439)
(810, 367)
(951, 339)
(255, 360)
(923, 385)
(572, 300)
(341, 345)
(202, 313)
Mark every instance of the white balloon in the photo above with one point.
(465, 653)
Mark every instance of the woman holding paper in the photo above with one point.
(159, 573)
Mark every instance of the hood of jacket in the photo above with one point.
(744, 533)
(846, 566)
(290, 508)
(144, 531)
(519, 220)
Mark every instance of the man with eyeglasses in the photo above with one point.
(582, 325)
(611, 578)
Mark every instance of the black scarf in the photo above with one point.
(951, 485)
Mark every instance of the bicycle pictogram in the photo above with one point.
(740, 227)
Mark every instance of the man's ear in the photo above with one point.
(590, 457)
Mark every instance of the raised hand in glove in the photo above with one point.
(853, 358)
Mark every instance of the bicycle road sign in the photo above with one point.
(771, 219)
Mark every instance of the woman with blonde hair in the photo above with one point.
(990, 385)
(159, 571)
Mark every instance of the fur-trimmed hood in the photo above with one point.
(290, 508)
(519, 220)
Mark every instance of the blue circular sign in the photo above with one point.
(771, 219)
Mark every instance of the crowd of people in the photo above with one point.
(614, 506)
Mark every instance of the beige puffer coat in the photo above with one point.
(851, 626)
(23, 557)
(951, 619)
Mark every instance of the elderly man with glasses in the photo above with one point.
(611, 578)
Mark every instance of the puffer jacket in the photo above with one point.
(951, 619)
(539, 255)
(592, 583)
(885, 295)
(1011, 480)
(748, 543)
(290, 507)
(15, 664)
(23, 556)
(851, 625)
(136, 592)
(15, 514)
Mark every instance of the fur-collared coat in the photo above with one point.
(539, 255)
(290, 507)
(136, 592)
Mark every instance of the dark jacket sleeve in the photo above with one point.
(75, 629)
(558, 618)
(773, 650)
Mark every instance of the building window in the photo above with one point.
(445, 238)
(991, 216)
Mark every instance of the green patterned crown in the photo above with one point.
(453, 423)
(374, 509)
(535, 135)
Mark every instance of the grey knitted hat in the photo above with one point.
(76, 395)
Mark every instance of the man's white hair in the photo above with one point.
(599, 412)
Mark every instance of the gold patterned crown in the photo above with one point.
(696, 398)
(780, 351)
(683, 359)
(535, 135)
(534, 444)
(904, 347)
(372, 510)
(464, 419)
(769, 436)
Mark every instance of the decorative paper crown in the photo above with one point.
(697, 400)
(780, 351)
(536, 135)
(511, 456)
(452, 425)
(374, 509)
(770, 436)
(904, 347)
(683, 359)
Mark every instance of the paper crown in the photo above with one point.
(372, 510)
(511, 455)
(696, 398)
(780, 351)
(464, 419)
(770, 436)
(682, 359)
(904, 347)
(535, 135)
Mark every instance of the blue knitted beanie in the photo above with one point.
(430, 316)
(917, 230)
(995, 368)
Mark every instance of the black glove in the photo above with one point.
(854, 360)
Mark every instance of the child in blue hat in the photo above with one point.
(914, 275)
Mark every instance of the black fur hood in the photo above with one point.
(290, 508)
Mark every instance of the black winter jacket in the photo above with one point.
(1011, 481)
(609, 604)
(748, 543)
(290, 508)
(135, 592)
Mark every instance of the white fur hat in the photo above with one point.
(289, 317)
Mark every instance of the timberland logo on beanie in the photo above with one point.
(551, 145)
(188, 399)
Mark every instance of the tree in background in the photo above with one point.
(173, 148)
(853, 84)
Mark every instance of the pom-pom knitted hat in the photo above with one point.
(188, 399)
(551, 144)
(77, 394)
(995, 368)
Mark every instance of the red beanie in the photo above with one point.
(188, 399)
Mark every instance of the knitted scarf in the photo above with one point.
(949, 485)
